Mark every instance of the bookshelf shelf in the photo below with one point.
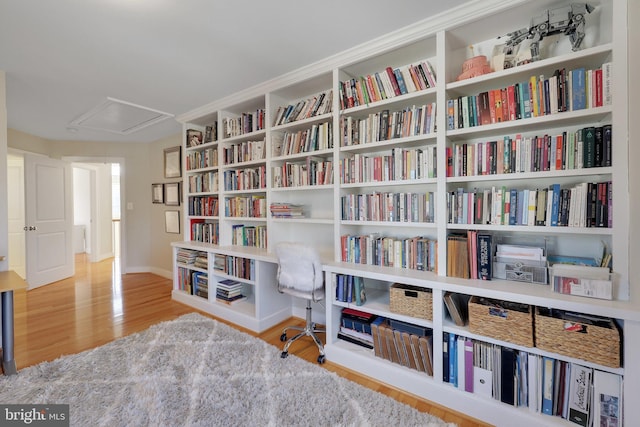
(302, 124)
(445, 43)
(568, 118)
(405, 142)
(600, 173)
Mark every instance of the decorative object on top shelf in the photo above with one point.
(568, 20)
(194, 137)
(173, 162)
(157, 193)
(474, 67)
(172, 194)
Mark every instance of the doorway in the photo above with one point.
(96, 217)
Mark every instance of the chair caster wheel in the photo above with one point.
(284, 354)
(321, 359)
(283, 337)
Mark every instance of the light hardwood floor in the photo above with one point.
(99, 305)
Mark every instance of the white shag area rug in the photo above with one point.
(196, 371)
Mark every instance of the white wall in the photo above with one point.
(161, 255)
(145, 245)
(103, 223)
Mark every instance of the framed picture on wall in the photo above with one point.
(157, 193)
(173, 162)
(172, 194)
(172, 222)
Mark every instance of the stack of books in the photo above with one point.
(201, 260)
(185, 256)
(229, 292)
(355, 327)
(286, 210)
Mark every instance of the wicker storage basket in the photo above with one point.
(411, 301)
(593, 341)
(502, 320)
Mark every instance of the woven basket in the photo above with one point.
(593, 343)
(504, 321)
(411, 301)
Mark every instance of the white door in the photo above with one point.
(15, 193)
(49, 220)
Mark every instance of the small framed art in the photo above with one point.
(172, 222)
(157, 193)
(172, 194)
(173, 162)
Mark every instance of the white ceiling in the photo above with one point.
(64, 57)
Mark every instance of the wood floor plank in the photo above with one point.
(98, 305)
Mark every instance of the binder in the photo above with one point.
(507, 379)
(547, 384)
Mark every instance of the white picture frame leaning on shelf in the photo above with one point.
(172, 194)
(157, 193)
(172, 222)
(173, 162)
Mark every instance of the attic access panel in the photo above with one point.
(121, 117)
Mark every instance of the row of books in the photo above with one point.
(201, 159)
(386, 125)
(416, 253)
(211, 133)
(252, 178)
(249, 206)
(192, 282)
(247, 122)
(254, 236)
(401, 164)
(203, 205)
(350, 289)
(316, 105)
(243, 268)
(538, 96)
(388, 206)
(229, 292)
(587, 204)
(310, 171)
(206, 232)
(317, 137)
(286, 210)
(585, 148)
(386, 84)
(203, 182)
(579, 394)
(245, 151)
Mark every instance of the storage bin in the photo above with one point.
(591, 338)
(502, 320)
(411, 301)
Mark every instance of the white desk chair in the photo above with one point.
(300, 275)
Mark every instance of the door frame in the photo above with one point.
(121, 162)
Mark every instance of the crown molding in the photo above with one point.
(428, 27)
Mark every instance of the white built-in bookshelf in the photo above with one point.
(396, 165)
